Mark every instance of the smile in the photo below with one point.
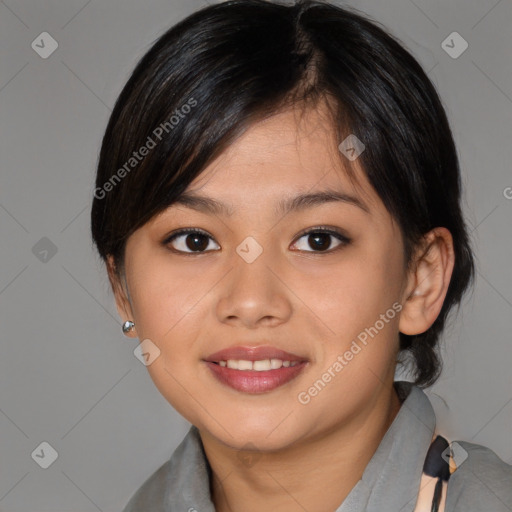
(255, 376)
(258, 366)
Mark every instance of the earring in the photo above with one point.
(128, 326)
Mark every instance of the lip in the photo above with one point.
(253, 354)
(251, 381)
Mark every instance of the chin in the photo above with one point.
(255, 434)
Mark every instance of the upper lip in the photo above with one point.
(253, 353)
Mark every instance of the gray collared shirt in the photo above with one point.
(390, 481)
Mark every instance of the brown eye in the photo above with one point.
(319, 240)
(189, 241)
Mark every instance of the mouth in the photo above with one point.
(255, 369)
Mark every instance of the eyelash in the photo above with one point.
(320, 229)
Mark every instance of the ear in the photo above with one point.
(121, 295)
(427, 282)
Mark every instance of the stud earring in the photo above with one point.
(128, 326)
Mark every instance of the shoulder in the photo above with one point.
(182, 479)
(151, 494)
(482, 481)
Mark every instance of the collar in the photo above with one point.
(390, 480)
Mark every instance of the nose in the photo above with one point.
(254, 293)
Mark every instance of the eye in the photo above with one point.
(194, 239)
(319, 239)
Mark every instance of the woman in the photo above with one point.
(278, 206)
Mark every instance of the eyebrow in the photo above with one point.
(283, 207)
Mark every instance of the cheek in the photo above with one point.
(168, 311)
(351, 294)
(164, 297)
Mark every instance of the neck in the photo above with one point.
(305, 475)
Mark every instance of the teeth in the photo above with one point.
(258, 366)
(275, 363)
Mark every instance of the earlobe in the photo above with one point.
(428, 282)
(120, 294)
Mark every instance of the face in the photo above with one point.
(256, 274)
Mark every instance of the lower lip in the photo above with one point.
(251, 381)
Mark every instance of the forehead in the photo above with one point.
(293, 152)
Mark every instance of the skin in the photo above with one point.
(308, 301)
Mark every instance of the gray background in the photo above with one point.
(68, 376)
